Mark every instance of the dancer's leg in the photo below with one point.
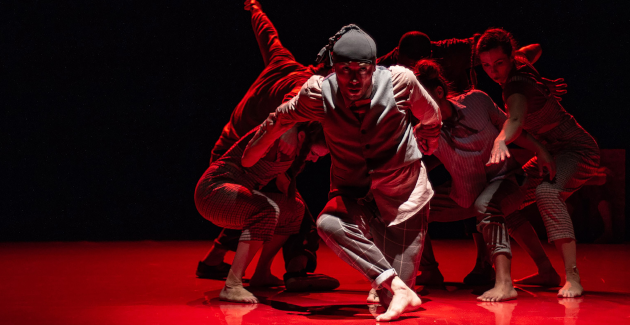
(233, 289)
(262, 276)
(572, 286)
(497, 199)
(404, 300)
(526, 237)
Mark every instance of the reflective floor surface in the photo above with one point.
(154, 283)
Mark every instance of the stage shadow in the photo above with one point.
(311, 309)
(353, 311)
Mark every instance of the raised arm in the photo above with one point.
(266, 33)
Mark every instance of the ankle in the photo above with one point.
(397, 285)
(233, 280)
(572, 272)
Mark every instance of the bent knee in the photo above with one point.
(326, 224)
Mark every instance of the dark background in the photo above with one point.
(110, 108)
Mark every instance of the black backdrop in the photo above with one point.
(110, 108)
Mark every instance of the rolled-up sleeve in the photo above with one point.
(410, 95)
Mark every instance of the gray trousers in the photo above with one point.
(347, 226)
(499, 199)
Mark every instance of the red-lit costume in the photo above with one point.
(575, 152)
(279, 81)
(232, 197)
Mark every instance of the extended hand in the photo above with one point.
(499, 153)
(428, 137)
(557, 87)
(251, 5)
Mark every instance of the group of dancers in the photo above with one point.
(386, 121)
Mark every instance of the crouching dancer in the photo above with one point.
(234, 197)
(379, 187)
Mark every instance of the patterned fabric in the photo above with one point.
(227, 195)
(368, 152)
(259, 215)
(574, 150)
(347, 225)
(228, 167)
(498, 199)
(466, 143)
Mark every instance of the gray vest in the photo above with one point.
(383, 141)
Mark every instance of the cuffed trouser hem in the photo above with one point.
(376, 284)
(496, 236)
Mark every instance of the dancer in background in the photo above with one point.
(454, 55)
(531, 106)
(489, 193)
(233, 197)
(280, 80)
(379, 187)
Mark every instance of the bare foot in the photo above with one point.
(572, 287)
(237, 294)
(373, 297)
(265, 280)
(502, 291)
(233, 291)
(404, 300)
(549, 278)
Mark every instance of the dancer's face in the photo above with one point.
(354, 79)
(496, 64)
(317, 150)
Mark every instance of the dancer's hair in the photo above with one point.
(431, 75)
(496, 37)
(415, 45)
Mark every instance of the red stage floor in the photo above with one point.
(153, 283)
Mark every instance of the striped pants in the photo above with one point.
(499, 199)
(347, 226)
(577, 161)
(260, 215)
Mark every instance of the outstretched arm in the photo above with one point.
(266, 33)
(517, 110)
(306, 106)
(268, 132)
